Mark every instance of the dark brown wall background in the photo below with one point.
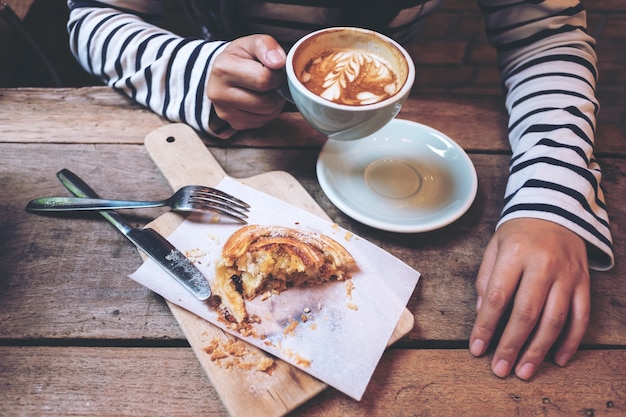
(451, 53)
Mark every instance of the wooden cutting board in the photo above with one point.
(183, 159)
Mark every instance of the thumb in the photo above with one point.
(269, 52)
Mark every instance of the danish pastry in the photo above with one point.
(257, 259)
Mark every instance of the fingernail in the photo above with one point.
(502, 368)
(526, 371)
(563, 359)
(477, 347)
(479, 301)
(275, 56)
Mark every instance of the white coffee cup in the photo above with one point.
(348, 121)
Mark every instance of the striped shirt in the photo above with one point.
(546, 58)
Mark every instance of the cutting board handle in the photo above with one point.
(182, 156)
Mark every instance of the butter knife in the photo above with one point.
(147, 240)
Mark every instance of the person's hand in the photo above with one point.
(540, 270)
(242, 82)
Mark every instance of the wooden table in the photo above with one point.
(77, 337)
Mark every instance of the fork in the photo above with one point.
(189, 198)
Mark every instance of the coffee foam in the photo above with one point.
(351, 77)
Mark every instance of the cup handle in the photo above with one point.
(284, 92)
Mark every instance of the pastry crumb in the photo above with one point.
(289, 330)
(265, 364)
(234, 354)
(349, 289)
(298, 359)
(353, 306)
(195, 255)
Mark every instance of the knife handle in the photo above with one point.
(79, 188)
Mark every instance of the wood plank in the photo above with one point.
(57, 115)
(477, 123)
(452, 383)
(87, 381)
(90, 381)
(52, 288)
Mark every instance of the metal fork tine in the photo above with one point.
(224, 196)
(212, 204)
(218, 199)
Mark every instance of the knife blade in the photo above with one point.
(147, 240)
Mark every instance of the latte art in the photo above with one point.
(350, 77)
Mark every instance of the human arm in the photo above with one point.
(554, 223)
(118, 42)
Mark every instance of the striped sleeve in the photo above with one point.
(154, 67)
(548, 66)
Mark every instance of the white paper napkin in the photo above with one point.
(346, 332)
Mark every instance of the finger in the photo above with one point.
(500, 289)
(242, 120)
(262, 48)
(269, 52)
(242, 73)
(546, 332)
(268, 103)
(485, 271)
(578, 323)
(260, 58)
(525, 314)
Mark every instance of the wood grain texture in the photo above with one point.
(77, 337)
(477, 123)
(89, 381)
(60, 116)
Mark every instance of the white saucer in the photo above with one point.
(407, 178)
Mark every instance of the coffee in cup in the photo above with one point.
(351, 77)
(348, 82)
